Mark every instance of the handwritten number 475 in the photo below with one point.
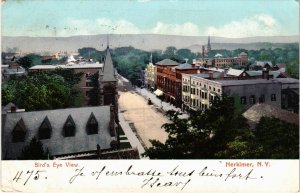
(27, 175)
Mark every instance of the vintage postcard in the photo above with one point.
(150, 96)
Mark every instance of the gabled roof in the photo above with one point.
(108, 68)
(69, 121)
(46, 123)
(20, 125)
(58, 144)
(263, 63)
(91, 118)
(167, 62)
(234, 72)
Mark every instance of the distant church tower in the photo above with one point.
(208, 45)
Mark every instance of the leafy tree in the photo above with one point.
(34, 151)
(39, 92)
(278, 139)
(26, 62)
(205, 134)
(170, 51)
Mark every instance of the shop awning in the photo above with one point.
(158, 92)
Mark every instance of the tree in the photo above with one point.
(278, 139)
(170, 51)
(39, 92)
(26, 62)
(34, 151)
(204, 135)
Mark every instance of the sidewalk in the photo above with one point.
(134, 142)
(158, 103)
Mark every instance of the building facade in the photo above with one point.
(169, 77)
(198, 91)
(150, 76)
(221, 62)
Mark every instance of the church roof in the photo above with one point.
(58, 144)
(108, 69)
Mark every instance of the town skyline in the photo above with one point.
(190, 18)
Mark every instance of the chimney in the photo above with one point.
(13, 109)
(265, 73)
(225, 71)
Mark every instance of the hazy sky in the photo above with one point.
(226, 18)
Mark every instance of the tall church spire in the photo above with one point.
(208, 44)
(108, 67)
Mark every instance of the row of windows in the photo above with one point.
(45, 129)
(252, 99)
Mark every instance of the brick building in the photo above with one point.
(169, 76)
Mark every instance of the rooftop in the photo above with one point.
(68, 66)
(167, 62)
(59, 144)
(257, 111)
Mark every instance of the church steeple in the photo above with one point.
(208, 45)
(108, 71)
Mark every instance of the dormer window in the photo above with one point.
(69, 127)
(92, 125)
(45, 129)
(19, 132)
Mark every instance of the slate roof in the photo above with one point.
(257, 111)
(167, 62)
(108, 68)
(58, 144)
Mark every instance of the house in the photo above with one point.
(258, 65)
(63, 132)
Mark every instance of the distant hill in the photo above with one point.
(141, 41)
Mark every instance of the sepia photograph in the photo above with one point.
(193, 81)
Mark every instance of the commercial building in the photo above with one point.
(199, 90)
(169, 77)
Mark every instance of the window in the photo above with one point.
(214, 89)
(243, 100)
(19, 132)
(45, 129)
(69, 127)
(87, 93)
(262, 99)
(273, 97)
(88, 75)
(92, 125)
(252, 99)
(88, 84)
(219, 90)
